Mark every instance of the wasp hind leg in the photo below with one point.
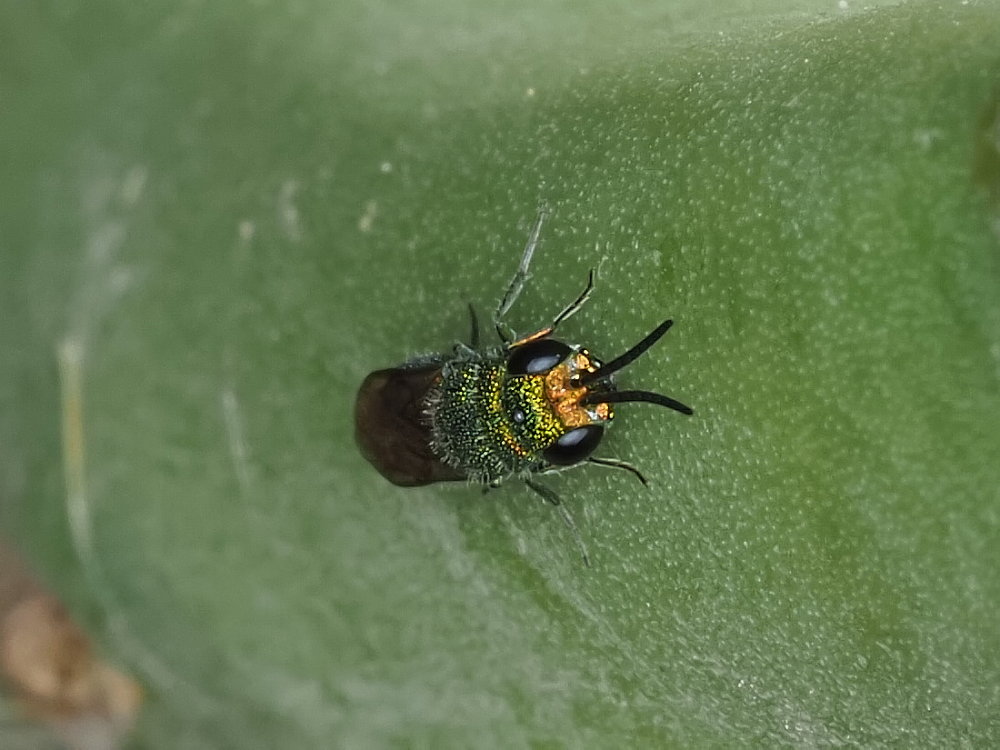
(552, 498)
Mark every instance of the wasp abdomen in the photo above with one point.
(391, 429)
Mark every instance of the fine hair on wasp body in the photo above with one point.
(529, 406)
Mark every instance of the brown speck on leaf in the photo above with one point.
(49, 670)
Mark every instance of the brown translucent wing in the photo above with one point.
(390, 430)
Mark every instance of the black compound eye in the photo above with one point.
(575, 446)
(537, 357)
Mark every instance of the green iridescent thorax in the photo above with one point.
(526, 420)
(487, 423)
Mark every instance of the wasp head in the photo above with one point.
(559, 397)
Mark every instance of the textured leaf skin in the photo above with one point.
(238, 212)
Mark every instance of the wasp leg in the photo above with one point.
(614, 463)
(548, 495)
(570, 309)
(474, 321)
(551, 497)
(521, 276)
(576, 304)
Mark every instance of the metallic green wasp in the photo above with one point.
(530, 406)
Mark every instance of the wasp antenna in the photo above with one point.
(618, 397)
(628, 357)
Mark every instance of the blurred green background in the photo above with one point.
(233, 211)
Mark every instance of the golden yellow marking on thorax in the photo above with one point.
(496, 408)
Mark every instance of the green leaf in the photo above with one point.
(225, 216)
